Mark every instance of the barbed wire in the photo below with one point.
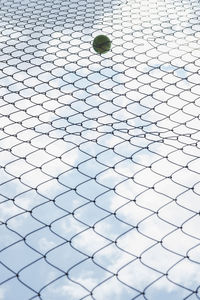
(99, 154)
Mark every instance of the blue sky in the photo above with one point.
(95, 149)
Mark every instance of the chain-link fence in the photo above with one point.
(99, 154)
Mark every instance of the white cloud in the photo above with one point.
(72, 290)
(2, 294)
(45, 245)
(8, 209)
(89, 242)
(163, 226)
(70, 227)
(165, 113)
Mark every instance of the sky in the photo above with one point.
(99, 155)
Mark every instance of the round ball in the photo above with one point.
(101, 44)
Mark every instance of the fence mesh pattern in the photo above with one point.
(99, 154)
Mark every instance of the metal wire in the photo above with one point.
(99, 154)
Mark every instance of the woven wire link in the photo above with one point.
(99, 154)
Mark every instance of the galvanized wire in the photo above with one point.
(99, 154)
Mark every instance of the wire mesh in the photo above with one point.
(99, 154)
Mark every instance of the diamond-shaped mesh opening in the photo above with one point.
(99, 153)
